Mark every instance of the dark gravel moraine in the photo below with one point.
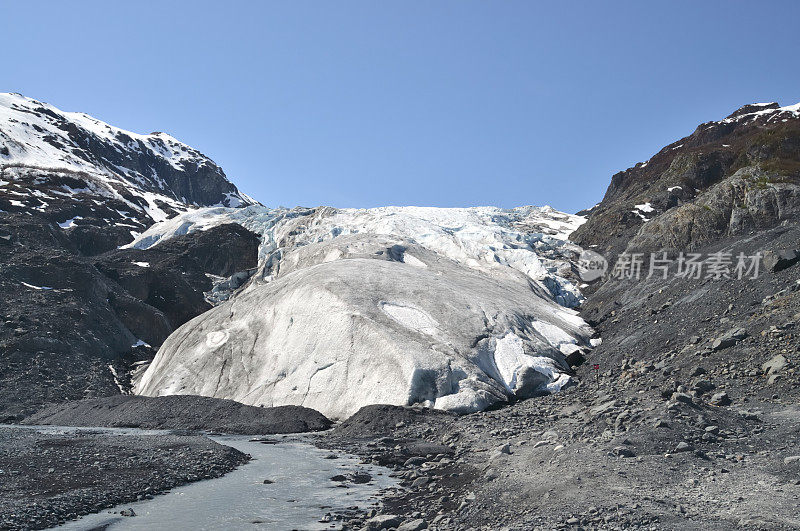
(181, 412)
(46, 479)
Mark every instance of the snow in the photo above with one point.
(16, 203)
(116, 379)
(20, 117)
(141, 264)
(779, 114)
(456, 309)
(31, 286)
(673, 188)
(36, 137)
(140, 343)
(639, 210)
(68, 224)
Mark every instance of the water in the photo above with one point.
(301, 494)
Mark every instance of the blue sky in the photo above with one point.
(443, 103)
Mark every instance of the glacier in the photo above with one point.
(452, 308)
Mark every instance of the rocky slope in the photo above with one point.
(728, 178)
(685, 417)
(77, 311)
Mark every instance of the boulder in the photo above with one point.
(729, 338)
(383, 521)
(775, 261)
(720, 399)
(774, 365)
(417, 524)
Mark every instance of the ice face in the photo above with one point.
(454, 308)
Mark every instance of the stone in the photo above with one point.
(775, 261)
(720, 399)
(417, 524)
(683, 446)
(576, 358)
(729, 339)
(774, 365)
(603, 408)
(383, 521)
(420, 482)
(791, 459)
(414, 461)
(723, 343)
(703, 386)
(623, 451)
(682, 397)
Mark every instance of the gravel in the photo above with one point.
(47, 479)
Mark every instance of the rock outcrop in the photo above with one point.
(729, 178)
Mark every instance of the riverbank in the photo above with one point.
(49, 478)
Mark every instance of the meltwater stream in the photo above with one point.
(300, 494)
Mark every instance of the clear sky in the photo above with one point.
(441, 103)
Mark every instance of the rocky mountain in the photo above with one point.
(459, 309)
(78, 311)
(729, 178)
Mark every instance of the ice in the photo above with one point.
(529, 240)
(457, 309)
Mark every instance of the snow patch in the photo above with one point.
(44, 288)
(412, 318)
(68, 224)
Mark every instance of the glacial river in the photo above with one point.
(300, 494)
